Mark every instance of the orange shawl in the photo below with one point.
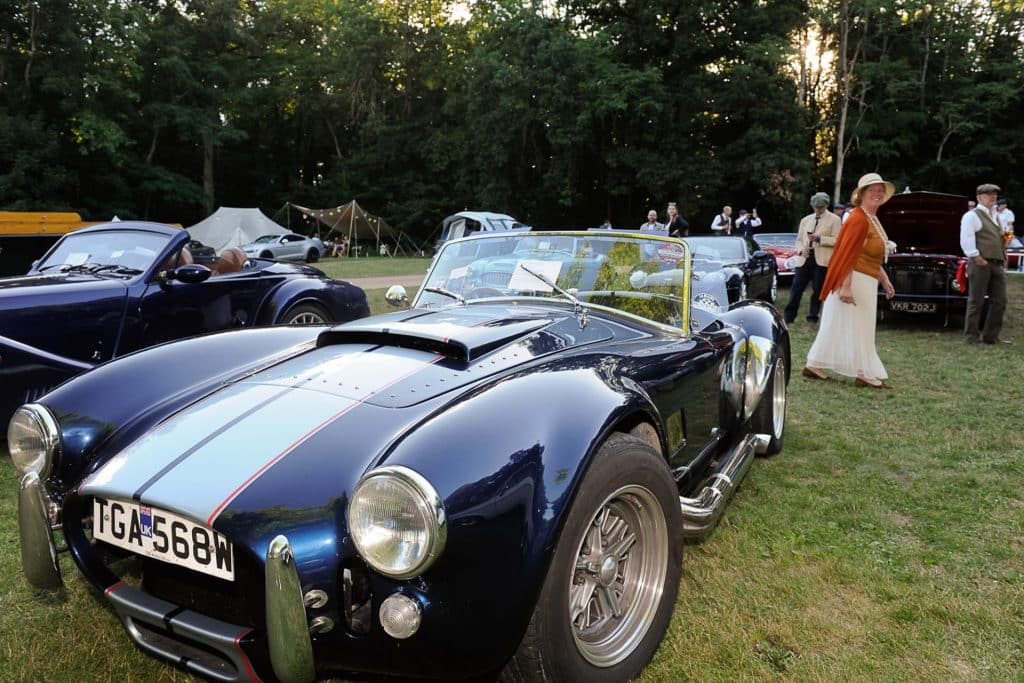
(848, 248)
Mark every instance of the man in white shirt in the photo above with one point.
(722, 225)
(981, 239)
(1005, 216)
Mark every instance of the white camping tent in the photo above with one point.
(232, 227)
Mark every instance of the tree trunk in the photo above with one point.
(208, 198)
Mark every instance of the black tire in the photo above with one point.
(266, 254)
(306, 314)
(312, 256)
(770, 415)
(628, 492)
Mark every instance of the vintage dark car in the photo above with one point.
(502, 477)
(925, 227)
(751, 272)
(110, 289)
(781, 245)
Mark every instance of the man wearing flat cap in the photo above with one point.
(815, 239)
(981, 239)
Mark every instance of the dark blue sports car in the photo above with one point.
(497, 481)
(104, 291)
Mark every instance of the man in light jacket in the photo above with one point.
(816, 237)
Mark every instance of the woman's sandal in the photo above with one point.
(815, 374)
(861, 382)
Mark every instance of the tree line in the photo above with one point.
(563, 113)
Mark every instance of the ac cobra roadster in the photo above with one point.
(496, 480)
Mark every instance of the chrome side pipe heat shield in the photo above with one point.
(702, 512)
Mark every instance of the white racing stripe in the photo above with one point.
(199, 460)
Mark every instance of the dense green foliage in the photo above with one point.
(562, 113)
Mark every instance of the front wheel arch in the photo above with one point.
(627, 492)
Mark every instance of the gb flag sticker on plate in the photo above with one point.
(164, 536)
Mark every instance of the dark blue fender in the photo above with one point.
(333, 295)
(761, 319)
(506, 503)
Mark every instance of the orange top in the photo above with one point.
(859, 247)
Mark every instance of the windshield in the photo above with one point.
(718, 248)
(776, 239)
(639, 275)
(266, 238)
(124, 249)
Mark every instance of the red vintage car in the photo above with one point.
(781, 245)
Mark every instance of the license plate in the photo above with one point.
(164, 536)
(913, 306)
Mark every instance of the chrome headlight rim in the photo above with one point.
(49, 434)
(429, 502)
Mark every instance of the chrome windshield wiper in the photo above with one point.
(577, 306)
(445, 292)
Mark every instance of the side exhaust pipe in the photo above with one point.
(701, 513)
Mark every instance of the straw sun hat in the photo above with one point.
(872, 179)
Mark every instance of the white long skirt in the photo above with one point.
(846, 336)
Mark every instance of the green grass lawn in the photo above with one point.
(373, 266)
(885, 543)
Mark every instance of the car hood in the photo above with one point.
(924, 222)
(302, 432)
(14, 291)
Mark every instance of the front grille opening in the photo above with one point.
(241, 602)
(177, 647)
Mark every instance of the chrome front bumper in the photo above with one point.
(202, 645)
(38, 550)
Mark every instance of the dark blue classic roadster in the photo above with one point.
(498, 481)
(110, 289)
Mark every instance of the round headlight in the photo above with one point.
(33, 439)
(397, 522)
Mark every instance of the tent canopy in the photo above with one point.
(233, 227)
(354, 222)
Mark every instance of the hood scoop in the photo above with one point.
(463, 338)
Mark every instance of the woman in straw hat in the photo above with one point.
(846, 338)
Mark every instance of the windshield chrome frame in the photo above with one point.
(686, 262)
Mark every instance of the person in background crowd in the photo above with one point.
(1005, 216)
(971, 204)
(722, 225)
(983, 244)
(820, 222)
(607, 225)
(747, 223)
(676, 224)
(846, 339)
(841, 210)
(652, 224)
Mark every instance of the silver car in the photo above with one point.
(286, 247)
